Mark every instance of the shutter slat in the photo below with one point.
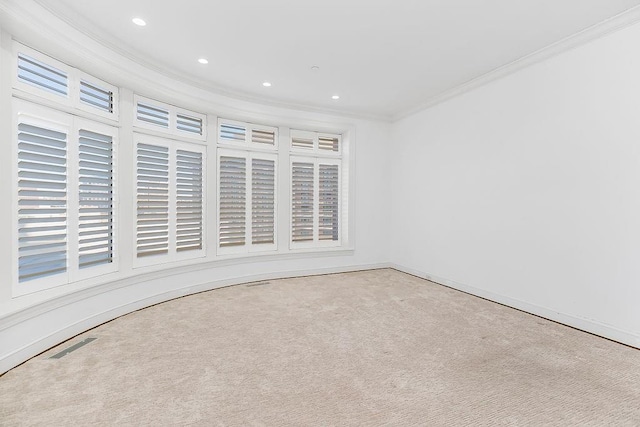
(328, 202)
(42, 241)
(95, 199)
(302, 199)
(152, 200)
(262, 200)
(189, 200)
(232, 206)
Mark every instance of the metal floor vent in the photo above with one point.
(72, 348)
(258, 284)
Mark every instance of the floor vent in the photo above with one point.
(258, 283)
(72, 348)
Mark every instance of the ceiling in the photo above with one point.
(382, 57)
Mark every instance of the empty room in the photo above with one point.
(335, 213)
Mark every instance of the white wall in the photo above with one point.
(527, 190)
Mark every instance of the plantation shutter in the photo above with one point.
(302, 201)
(262, 201)
(153, 115)
(232, 201)
(95, 199)
(328, 202)
(189, 200)
(329, 143)
(41, 75)
(42, 202)
(152, 177)
(189, 124)
(95, 96)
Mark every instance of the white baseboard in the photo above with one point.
(41, 343)
(587, 325)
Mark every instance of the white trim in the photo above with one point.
(581, 323)
(39, 344)
(247, 144)
(172, 123)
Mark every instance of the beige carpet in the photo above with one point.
(368, 348)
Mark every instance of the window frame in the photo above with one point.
(173, 113)
(173, 255)
(74, 77)
(70, 124)
(249, 247)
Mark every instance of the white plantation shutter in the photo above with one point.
(95, 96)
(95, 199)
(189, 200)
(302, 201)
(263, 201)
(328, 202)
(152, 174)
(329, 143)
(232, 188)
(152, 114)
(302, 139)
(263, 136)
(189, 124)
(232, 132)
(41, 75)
(42, 201)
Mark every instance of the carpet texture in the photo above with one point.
(369, 348)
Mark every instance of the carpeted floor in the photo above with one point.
(369, 348)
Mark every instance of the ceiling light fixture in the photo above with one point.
(315, 68)
(203, 61)
(139, 22)
(335, 97)
(266, 84)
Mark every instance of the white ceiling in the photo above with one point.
(383, 57)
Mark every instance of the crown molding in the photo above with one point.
(32, 23)
(606, 27)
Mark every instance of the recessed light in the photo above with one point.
(139, 21)
(266, 84)
(203, 61)
(315, 68)
(335, 97)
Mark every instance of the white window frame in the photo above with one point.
(24, 111)
(173, 119)
(316, 243)
(74, 77)
(315, 150)
(249, 246)
(247, 143)
(173, 255)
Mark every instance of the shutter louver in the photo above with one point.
(95, 180)
(261, 136)
(41, 75)
(302, 142)
(329, 143)
(302, 176)
(328, 202)
(234, 133)
(152, 200)
(262, 201)
(189, 124)
(96, 97)
(189, 200)
(232, 205)
(42, 202)
(153, 115)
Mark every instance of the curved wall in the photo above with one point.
(32, 323)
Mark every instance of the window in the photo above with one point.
(316, 190)
(65, 197)
(246, 201)
(247, 196)
(45, 77)
(170, 177)
(161, 117)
